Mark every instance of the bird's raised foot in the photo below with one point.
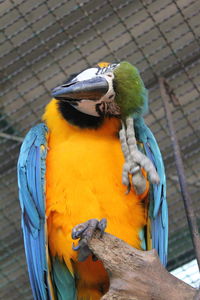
(85, 231)
(135, 160)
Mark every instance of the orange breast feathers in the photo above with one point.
(84, 181)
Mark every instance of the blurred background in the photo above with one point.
(43, 42)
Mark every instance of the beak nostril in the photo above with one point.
(68, 84)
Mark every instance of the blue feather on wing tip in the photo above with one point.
(159, 216)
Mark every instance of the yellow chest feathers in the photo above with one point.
(84, 170)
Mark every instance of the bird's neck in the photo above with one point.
(75, 117)
(64, 123)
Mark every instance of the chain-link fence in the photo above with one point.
(43, 42)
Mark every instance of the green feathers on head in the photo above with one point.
(131, 94)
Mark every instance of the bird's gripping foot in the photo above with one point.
(84, 232)
(134, 160)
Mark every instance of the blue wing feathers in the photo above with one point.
(39, 185)
(159, 217)
(27, 204)
(31, 180)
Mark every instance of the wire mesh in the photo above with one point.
(43, 42)
(188, 273)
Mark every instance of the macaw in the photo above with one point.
(92, 159)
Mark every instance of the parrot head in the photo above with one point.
(107, 90)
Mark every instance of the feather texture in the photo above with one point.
(158, 212)
(63, 280)
(31, 182)
(87, 184)
(78, 191)
(131, 94)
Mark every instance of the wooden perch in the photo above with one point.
(136, 274)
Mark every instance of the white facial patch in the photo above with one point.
(109, 98)
(110, 93)
(87, 74)
(106, 104)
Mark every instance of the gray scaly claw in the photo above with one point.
(102, 225)
(85, 231)
(135, 160)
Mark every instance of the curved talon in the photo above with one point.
(85, 231)
(76, 235)
(128, 189)
(76, 248)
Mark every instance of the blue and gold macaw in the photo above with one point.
(70, 171)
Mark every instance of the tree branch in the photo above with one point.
(136, 274)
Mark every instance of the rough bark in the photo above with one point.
(136, 274)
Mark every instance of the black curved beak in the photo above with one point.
(91, 89)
